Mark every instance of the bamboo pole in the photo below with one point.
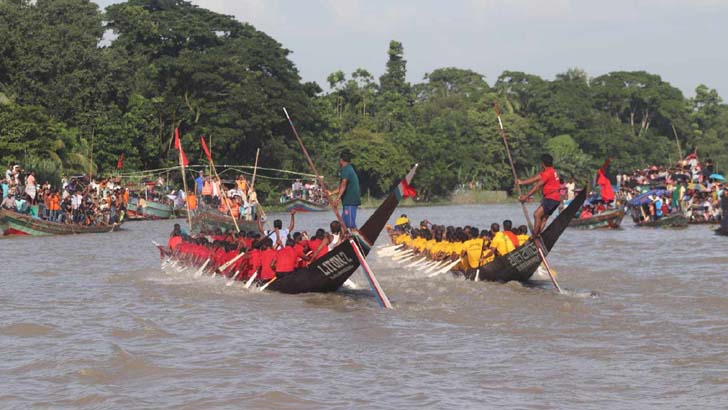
(334, 208)
(184, 185)
(536, 241)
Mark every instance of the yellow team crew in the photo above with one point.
(472, 249)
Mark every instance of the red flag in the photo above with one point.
(604, 183)
(204, 148)
(120, 162)
(176, 139)
(407, 190)
(178, 146)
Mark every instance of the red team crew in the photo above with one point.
(259, 254)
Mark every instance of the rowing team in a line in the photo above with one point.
(258, 256)
(473, 247)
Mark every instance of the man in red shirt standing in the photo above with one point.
(548, 180)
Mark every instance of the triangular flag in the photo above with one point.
(204, 148)
(178, 146)
(404, 190)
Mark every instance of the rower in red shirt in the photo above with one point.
(285, 261)
(253, 260)
(548, 181)
(300, 247)
(267, 257)
(319, 245)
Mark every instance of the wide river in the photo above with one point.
(93, 322)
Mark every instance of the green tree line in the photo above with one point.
(80, 85)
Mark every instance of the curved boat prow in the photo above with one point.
(329, 273)
(521, 263)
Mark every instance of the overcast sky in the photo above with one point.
(681, 40)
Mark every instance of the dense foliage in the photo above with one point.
(79, 86)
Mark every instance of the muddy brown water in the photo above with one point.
(93, 322)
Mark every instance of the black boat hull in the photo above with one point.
(520, 264)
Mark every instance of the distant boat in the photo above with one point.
(211, 220)
(676, 220)
(642, 219)
(20, 224)
(302, 205)
(605, 220)
(152, 209)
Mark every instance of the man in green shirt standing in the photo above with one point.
(348, 190)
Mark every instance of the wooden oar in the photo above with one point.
(267, 284)
(404, 255)
(408, 258)
(536, 241)
(202, 268)
(232, 280)
(445, 269)
(415, 263)
(227, 264)
(250, 281)
(439, 264)
(430, 265)
(422, 263)
(373, 282)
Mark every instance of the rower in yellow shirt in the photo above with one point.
(523, 235)
(473, 249)
(401, 222)
(500, 242)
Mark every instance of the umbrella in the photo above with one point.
(644, 199)
(717, 177)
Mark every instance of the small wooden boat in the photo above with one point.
(521, 263)
(674, 220)
(608, 219)
(212, 220)
(301, 205)
(329, 273)
(151, 210)
(20, 224)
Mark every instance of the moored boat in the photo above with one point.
(674, 220)
(20, 224)
(521, 263)
(212, 220)
(149, 209)
(644, 215)
(302, 205)
(608, 219)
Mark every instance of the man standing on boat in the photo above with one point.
(548, 180)
(348, 190)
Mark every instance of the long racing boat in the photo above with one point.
(329, 273)
(521, 263)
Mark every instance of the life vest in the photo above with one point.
(207, 188)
